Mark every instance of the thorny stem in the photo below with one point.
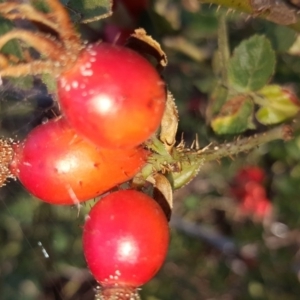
(239, 5)
(279, 12)
(283, 132)
(183, 164)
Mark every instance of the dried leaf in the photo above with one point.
(169, 123)
(145, 44)
(162, 192)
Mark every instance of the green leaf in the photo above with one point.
(89, 10)
(50, 82)
(235, 116)
(12, 109)
(217, 99)
(277, 105)
(252, 64)
(188, 172)
(12, 47)
(281, 37)
(24, 82)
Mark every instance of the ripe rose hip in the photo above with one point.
(59, 167)
(113, 96)
(125, 239)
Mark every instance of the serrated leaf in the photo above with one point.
(252, 64)
(277, 105)
(235, 116)
(90, 10)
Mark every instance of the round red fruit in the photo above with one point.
(125, 239)
(59, 167)
(113, 96)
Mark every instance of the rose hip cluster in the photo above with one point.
(249, 191)
(112, 100)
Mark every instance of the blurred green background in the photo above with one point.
(216, 251)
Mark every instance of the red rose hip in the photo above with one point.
(113, 96)
(125, 239)
(60, 167)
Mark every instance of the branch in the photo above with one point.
(183, 164)
(275, 11)
(283, 132)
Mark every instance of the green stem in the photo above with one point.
(283, 132)
(223, 49)
(184, 164)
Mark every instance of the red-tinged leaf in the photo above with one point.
(235, 116)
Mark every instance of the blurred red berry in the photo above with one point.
(251, 173)
(248, 190)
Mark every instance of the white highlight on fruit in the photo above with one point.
(64, 166)
(102, 103)
(127, 251)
